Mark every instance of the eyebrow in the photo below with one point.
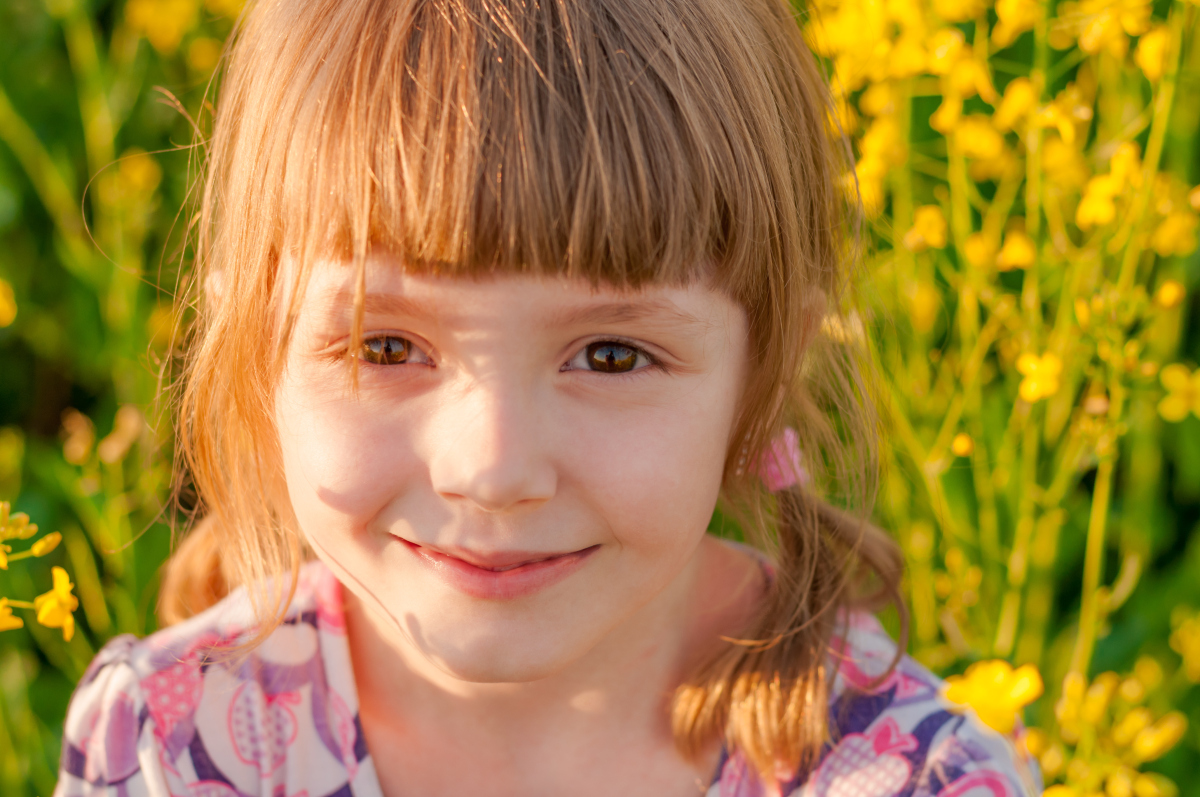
(615, 312)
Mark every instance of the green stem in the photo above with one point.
(1134, 244)
(20, 604)
(1093, 558)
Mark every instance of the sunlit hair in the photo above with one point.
(626, 142)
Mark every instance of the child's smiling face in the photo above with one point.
(526, 463)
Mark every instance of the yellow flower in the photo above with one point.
(1169, 294)
(1064, 164)
(877, 100)
(1060, 790)
(1151, 53)
(907, 58)
(1155, 741)
(46, 544)
(1018, 251)
(944, 51)
(1185, 640)
(995, 691)
(978, 251)
(1183, 393)
(1152, 784)
(962, 445)
(928, 230)
(1014, 17)
(163, 22)
(968, 77)
(1041, 375)
(958, 10)
(976, 137)
(946, 117)
(7, 621)
(54, 607)
(8, 304)
(203, 54)
(1176, 235)
(1020, 99)
(1097, 208)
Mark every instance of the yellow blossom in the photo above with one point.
(1014, 17)
(1152, 784)
(1041, 375)
(1097, 207)
(7, 621)
(995, 691)
(976, 137)
(962, 445)
(1064, 164)
(877, 100)
(928, 230)
(944, 50)
(978, 251)
(958, 10)
(907, 58)
(1020, 99)
(54, 607)
(203, 54)
(163, 22)
(1126, 729)
(1176, 235)
(1060, 790)
(1120, 783)
(1169, 294)
(924, 302)
(1183, 392)
(947, 115)
(1018, 251)
(8, 304)
(1151, 53)
(46, 544)
(1155, 741)
(968, 78)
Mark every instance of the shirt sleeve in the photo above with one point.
(110, 748)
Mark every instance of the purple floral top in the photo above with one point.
(156, 718)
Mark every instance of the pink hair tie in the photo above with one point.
(780, 465)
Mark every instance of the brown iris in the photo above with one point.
(385, 350)
(611, 357)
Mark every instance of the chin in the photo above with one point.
(500, 664)
(492, 655)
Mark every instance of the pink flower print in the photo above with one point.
(262, 726)
(173, 694)
(345, 732)
(739, 780)
(866, 765)
(327, 591)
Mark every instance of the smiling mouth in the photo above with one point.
(500, 576)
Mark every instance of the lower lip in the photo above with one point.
(500, 585)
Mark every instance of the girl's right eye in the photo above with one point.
(391, 350)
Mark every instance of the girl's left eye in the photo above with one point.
(610, 357)
(391, 350)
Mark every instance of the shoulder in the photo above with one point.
(184, 707)
(899, 733)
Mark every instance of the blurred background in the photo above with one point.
(1028, 171)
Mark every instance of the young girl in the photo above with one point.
(497, 297)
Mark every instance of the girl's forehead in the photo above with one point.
(388, 289)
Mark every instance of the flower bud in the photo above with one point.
(1160, 737)
(46, 544)
(1129, 726)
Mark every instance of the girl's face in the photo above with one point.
(525, 464)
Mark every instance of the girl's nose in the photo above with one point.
(491, 449)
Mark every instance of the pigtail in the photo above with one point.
(766, 696)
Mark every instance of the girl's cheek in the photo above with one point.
(344, 459)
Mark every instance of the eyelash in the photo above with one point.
(653, 363)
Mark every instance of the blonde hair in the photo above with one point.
(622, 141)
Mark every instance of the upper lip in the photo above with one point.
(495, 560)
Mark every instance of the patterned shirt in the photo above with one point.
(165, 717)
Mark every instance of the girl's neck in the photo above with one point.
(620, 690)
